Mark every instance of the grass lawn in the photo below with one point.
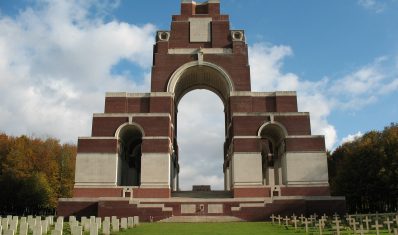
(208, 229)
(240, 228)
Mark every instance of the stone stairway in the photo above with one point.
(201, 219)
(202, 194)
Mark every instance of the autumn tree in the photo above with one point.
(366, 171)
(34, 173)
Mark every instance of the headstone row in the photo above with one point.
(38, 226)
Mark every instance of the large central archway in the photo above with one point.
(204, 75)
(200, 139)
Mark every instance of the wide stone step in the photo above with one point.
(201, 219)
(202, 194)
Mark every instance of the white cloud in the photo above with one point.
(55, 66)
(350, 138)
(200, 140)
(373, 5)
(353, 91)
(266, 62)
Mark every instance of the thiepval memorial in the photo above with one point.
(130, 163)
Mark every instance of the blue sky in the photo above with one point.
(58, 58)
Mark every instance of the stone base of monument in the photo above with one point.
(247, 209)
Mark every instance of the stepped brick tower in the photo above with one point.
(272, 162)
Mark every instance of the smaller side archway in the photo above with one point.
(272, 140)
(129, 154)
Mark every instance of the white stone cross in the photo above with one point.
(388, 222)
(320, 226)
(315, 216)
(325, 217)
(311, 218)
(294, 220)
(335, 215)
(348, 218)
(361, 230)
(354, 224)
(395, 231)
(396, 219)
(367, 220)
(337, 226)
(302, 217)
(306, 223)
(279, 219)
(286, 219)
(273, 217)
(377, 226)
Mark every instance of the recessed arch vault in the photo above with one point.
(204, 75)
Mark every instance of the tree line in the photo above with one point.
(34, 173)
(366, 171)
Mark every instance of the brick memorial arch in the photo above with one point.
(272, 162)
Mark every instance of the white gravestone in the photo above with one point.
(98, 220)
(106, 227)
(44, 226)
(123, 223)
(130, 222)
(9, 232)
(93, 229)
(56, 232)
(4, 224)
(23, 228)
(13, 225)
(115, 225)
(37, 230)
(136, 220)
(78, 230)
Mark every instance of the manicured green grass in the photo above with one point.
(208, 229)
(242, 228)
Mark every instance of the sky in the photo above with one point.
(58, 58)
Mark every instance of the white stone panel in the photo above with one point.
(96, 169)
(247, 169)
(306, 168)
(200, 29)
(188, 208)
(215, 208)
(155, 170)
